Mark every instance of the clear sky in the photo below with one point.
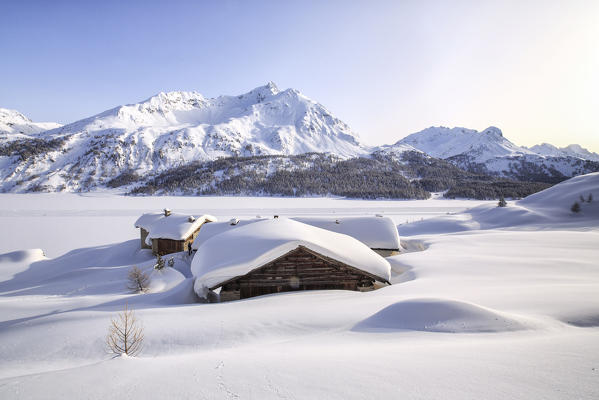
(387, 68)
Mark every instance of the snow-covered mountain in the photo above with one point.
(14, 125)
(137, 142)
(442, 142)
(573, 150)
(488, 151)
(172, 129)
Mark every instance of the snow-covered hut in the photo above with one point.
(281, 255)
(168, 232)
(378, 233)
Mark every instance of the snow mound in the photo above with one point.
(30, 255)
(164, 279)
(438, 315)
(18, 261)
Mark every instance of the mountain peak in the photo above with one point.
(445, 142)
(261, 93)
(13, 122)
(493, 131)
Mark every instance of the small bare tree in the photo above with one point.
(137, 280)
(125, 334)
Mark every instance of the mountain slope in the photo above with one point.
(442, 142)
(489, 152)
(172, 129)
(14, 125)
(573, 150)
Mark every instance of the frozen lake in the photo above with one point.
(96, 219)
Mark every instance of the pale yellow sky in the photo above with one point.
(530, 68)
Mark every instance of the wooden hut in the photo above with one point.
(168, 232)
(282, 255)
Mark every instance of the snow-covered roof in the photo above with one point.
(237, 252)
(374, 232)
(176, 226)
(216, 228)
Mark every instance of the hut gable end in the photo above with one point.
(299, 269)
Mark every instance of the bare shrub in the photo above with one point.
(125, 334)
(137, 280)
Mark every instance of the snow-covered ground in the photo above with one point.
(486, 303)
(60, 222)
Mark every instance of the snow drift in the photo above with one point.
(438, 315)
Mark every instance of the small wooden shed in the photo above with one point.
(282, 255)
(168, 232)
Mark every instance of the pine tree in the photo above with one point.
(502, 202)
(590, 198)
(159, 262)
(575, 207)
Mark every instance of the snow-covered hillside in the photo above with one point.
(172, 129)
(488, 151)
(14, 125)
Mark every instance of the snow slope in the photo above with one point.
(551, 206)
(495, 313)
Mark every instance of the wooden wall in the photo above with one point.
(300, 269)
(167, 246)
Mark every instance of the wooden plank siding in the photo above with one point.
(299, 269)
(167, 246)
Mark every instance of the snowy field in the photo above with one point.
(486, 303)
(60, 222)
